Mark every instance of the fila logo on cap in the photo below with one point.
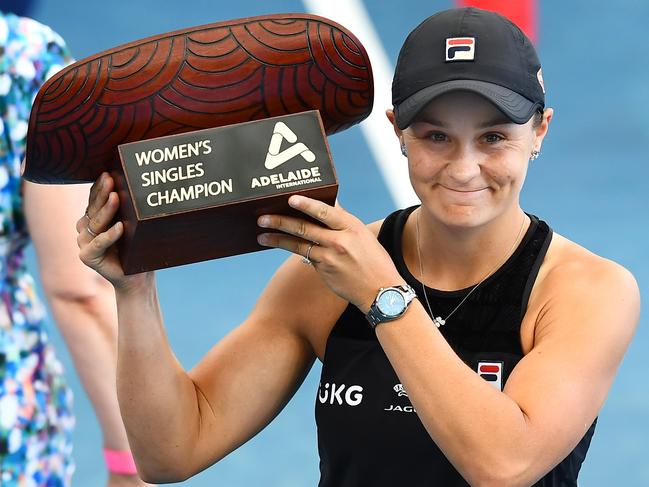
(492, 372)
(460, 49)
(276, 158)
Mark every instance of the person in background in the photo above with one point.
(36, 418)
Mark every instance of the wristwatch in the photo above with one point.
(390, 304)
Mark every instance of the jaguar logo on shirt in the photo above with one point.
(398, 388)
(400, 408)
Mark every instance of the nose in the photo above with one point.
(464, 167)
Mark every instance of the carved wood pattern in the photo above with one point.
(207, 76)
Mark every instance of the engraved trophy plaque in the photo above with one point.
(197, 196)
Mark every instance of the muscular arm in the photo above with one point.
(585, 314)
(179, 423)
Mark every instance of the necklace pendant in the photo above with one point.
(439, 321)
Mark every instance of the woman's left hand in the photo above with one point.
(346, 254)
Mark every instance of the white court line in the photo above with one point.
(376, 129)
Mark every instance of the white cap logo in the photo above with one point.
(460, 49)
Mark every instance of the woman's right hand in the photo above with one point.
(96, 236)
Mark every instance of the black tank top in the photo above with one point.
(368, 432)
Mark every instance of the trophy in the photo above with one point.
(203, 129)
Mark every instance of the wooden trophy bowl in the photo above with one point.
(202, 77)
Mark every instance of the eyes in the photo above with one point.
(490, 138)
(493, 138)
(437, 137)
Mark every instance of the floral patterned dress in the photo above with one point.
(35, 404)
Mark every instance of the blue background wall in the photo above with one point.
(590, 184)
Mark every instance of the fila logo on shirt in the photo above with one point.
(460, 49)
(340, 394)
(492, 372)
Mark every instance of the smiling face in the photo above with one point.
(467, 161)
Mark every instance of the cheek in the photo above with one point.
(421, 167)
(509, 171)
(422, 172)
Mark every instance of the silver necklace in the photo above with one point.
(438, 319)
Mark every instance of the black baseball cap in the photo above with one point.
(468, 49)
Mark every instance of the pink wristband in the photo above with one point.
(120, 462)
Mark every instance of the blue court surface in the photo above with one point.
(591, 184)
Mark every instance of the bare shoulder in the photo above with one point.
(570, 265)
(586, 289)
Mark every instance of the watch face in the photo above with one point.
(391, 303)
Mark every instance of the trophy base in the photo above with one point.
(205, 234)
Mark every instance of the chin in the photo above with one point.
(462, 216)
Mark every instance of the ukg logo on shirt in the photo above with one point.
(340, 394)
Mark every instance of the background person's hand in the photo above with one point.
(346, 254)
